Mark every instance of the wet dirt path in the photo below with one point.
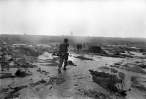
(69, 83)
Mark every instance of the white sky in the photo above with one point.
(114, 18)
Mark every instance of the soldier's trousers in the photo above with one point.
(63, 58)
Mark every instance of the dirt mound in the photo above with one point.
(96, 49)
(108, 82)
(6, 75)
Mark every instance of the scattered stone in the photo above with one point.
(96, 49)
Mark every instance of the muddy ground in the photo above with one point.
(44, 82)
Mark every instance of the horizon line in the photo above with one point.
(75, 36)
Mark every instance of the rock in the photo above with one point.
(20, 73)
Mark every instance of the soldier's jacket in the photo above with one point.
(63, 50)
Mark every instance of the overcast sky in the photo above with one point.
(109, 18)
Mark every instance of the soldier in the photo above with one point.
(3, 59)
(63, 54)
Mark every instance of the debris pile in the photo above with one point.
(17, 56)
(108, 82)
(96, 49)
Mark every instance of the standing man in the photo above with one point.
(63, 54)
(4, 56)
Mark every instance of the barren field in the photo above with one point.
(108, 75)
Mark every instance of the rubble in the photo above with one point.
(108, 82)
(96, 49)
(22, 57)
